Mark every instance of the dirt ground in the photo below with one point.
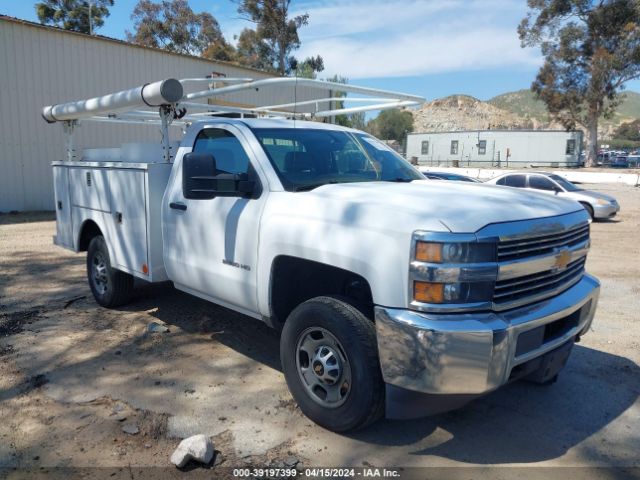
(73, 375)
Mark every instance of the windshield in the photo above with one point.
(307, 158)
(566, 184)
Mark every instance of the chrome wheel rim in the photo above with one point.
(323, 367)
(99, 273)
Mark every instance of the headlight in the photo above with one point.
(452, 269)
(602, 202)
(458, 252)
(438, 293)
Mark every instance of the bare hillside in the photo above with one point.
(462, 112)
(513, 110)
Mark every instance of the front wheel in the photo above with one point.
(330, 361)
(110, 287)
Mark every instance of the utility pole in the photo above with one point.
(90, 22)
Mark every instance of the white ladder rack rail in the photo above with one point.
(173, 107)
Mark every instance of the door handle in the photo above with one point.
(178, 206)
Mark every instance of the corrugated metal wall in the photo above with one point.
(40, 66)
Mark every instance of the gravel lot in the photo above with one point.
(72, 375)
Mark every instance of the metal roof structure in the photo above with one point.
(129, 105)
(167, 102)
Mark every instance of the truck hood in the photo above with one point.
(460, 206)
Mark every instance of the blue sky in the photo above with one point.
(431, 48)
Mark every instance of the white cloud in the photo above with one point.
(420, 53)
(331, 19)
(386, 39)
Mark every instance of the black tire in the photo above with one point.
(549, 382)
(546, 383)
(589, 209)
(363, 402)
(110, 287)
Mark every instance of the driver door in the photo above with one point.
(211, 245)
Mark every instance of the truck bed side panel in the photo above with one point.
(124, 200)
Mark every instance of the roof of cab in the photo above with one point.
(280, 123)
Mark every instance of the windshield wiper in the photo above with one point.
(400, 180)
(311, 186)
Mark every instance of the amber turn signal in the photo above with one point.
(429, 252)
(427, 292)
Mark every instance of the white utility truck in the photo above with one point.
(393, 294)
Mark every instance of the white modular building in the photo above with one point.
(496, 148)
(42, 65)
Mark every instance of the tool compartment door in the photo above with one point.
(64, 228)
(90, 188)
(129, 220)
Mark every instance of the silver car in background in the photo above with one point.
(599, 205)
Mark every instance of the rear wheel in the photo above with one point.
(329, 356)
(110, 287)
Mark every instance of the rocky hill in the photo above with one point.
(462, 112)
(513, 110)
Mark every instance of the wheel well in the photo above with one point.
(587, 206)
(89, 230)
(295, 280)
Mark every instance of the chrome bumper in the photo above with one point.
(474, 353)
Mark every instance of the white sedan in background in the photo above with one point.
(599, 205)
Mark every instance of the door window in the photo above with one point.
(541, 183)
(515, 181)
(226, 149)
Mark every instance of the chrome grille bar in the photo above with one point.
(539, 238)
(510, 291)
(509, 250)
(504, 284)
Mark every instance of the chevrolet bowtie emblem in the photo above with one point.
(562, 259)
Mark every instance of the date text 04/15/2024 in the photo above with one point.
(371, 472)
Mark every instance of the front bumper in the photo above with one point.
(474, 353)
(606, 211)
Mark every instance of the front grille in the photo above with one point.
(542, 244)
(508, 291)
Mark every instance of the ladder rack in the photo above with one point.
(173, 106)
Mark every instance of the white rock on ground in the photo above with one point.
(155, 327)
(131, 429)
(198, 447)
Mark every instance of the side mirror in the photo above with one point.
(201, 180)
